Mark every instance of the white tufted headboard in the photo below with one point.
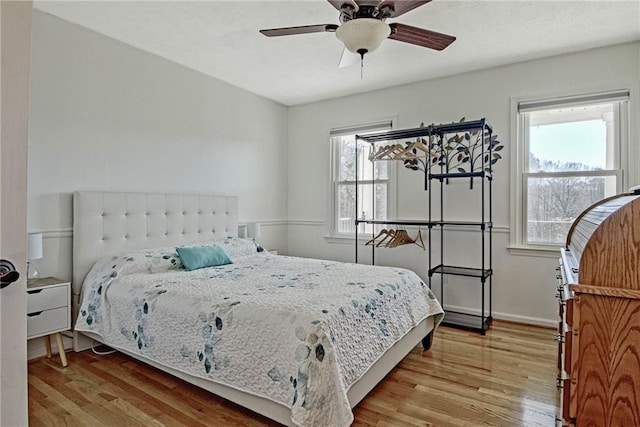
(108, 223)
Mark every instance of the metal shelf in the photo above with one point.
(437, 141)
(464, 127)
(420, 222)
(441, 129)
(483, 225)
(395, 221)
(479, 174)
(461, 271)
(393, 135)
(471, 322)
(484, 275)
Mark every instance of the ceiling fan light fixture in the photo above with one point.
(363, 35)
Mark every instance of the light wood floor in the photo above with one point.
(506, 378)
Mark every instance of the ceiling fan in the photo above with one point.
(364, 28)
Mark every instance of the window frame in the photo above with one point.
(335, 182)
(520, 158)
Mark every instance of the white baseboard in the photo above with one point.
(516, 318)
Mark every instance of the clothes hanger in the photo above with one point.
(380, 152)
(405, 239)
(375, 155)
(418, 240)
(386, 152)
(400, 238)
(407, 153)
(390, 234)
(372, 241)
(392, 243)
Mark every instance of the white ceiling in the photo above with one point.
(221, 39)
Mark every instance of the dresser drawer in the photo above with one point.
(47, 322)
(47, 298)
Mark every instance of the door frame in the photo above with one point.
(15, 51)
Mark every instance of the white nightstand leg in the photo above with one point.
(63, 357)
(47, 344)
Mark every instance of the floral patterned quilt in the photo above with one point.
(296, 331)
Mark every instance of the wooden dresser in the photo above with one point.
(599, 316)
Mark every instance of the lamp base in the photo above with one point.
(32, 272)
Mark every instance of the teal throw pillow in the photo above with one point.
(195, 257)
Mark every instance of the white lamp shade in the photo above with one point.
(254, 230)
(34, 246)
(363, 33)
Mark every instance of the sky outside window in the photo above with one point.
(577, 142)
(575, 135)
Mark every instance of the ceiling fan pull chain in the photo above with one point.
(362, 52)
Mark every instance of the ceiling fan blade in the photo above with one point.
(348, 59)
(400, 7)
(420, 36)
(305, 29)
(339, 3)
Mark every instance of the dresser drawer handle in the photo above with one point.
(559, 383)
(558, 276)
(34, 291)
(559, 338)
(37, 313)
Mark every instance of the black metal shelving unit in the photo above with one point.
(436, 262)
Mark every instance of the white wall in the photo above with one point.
(107, 116)
(524, 286)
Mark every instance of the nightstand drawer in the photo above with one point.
(47, 322)
(47, 298)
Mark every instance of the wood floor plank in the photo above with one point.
(504, 378)
(73, 414)
(175, 409)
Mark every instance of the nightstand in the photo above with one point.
(49, 311)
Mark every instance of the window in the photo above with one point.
(570, 159)
(373, 198)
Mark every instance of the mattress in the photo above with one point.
(296, 331)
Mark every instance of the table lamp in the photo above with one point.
(34, 251)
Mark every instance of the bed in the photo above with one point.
(300, 341)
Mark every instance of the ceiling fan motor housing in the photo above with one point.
(350, 11)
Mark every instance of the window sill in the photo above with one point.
(344, 240)
(533, 251)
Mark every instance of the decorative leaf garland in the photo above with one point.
(460, 152)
